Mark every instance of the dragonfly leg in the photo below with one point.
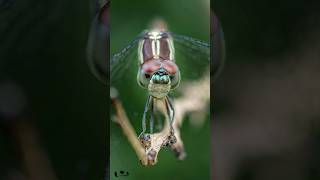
(170, 111)
(146, 108)
(159, 121)
(152, 116)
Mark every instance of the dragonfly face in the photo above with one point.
(159, 77)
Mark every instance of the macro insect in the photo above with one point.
(158, 71)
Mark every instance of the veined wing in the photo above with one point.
(125, 62)
(192, 56)
(191, 43)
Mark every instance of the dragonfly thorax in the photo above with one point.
(156, 35)
(156, 45)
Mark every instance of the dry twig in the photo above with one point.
(195, 97)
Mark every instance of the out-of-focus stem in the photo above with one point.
(129, 131)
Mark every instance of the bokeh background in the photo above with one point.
(267, 101)
(127, 20)
(61, 133)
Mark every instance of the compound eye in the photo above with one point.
(175, 80)
(143, 78)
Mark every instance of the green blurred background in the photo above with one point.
(127, 20)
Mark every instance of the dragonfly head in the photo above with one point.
(159, 77)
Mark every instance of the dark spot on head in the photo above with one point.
(147, 75)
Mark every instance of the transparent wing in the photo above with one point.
(125, 62)
(123, 77)
(192, 56)
(190, 43)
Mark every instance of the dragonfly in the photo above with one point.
(159, 59)
(189, 59)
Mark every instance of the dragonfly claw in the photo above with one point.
(145, 140)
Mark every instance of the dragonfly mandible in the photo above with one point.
(162, 58)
